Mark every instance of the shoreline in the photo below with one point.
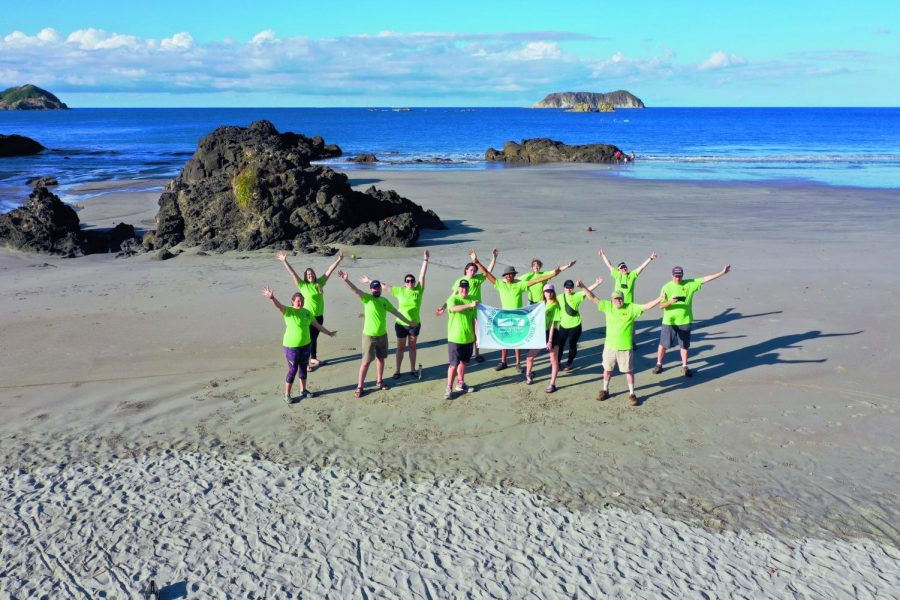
(784, 430)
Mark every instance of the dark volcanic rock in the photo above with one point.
(542, 150)
(43, 224)
(46, 224)
(249, 188)
(45, 181)
(364, 158)
(18, 145)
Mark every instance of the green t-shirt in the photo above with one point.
(375, 323)
(510, 293)
(475, 283)
(296, 327)
(680, 313)
(551, 315)
(313, 299)
(619, 323)
(409, 301)
(624, 283)
(570, 303)
(535, 292)
(460, 325)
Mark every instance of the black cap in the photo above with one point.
(568, 283)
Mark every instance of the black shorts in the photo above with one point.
(555, 337)
(403, 331)
(459, 353)
(673, 335)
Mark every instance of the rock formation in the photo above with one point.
(617, 99)
(45, 181)
(46, 224)
(253, 187)
(364, 158)
(29, 97)
(542, 150)
(18, 145)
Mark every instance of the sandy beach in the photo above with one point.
(144, 436)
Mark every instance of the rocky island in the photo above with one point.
(29, 97)
(590, 101)
(543, 150)
(19, 145)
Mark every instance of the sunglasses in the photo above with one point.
(410, 281)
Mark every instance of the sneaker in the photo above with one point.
(687, 371)
(288, 399)
(303, 395)
(501, 366)
(632, 399)
(448, 395)
(603, 395)
(520, 368)
(479, 358)
(550, 389)
(461, 387)
(657, 369)
(529, 379)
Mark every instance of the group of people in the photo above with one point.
(304, 320)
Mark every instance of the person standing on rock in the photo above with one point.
(461, 309)
(409, 303)
(296, 341)
(313, 290)
(678, 315)
(569, 327)
(476, 280)
(618, 349)
(510, 290)
(374, 335)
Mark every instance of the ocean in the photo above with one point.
(826, 146)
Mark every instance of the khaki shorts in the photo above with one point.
(624, 358)
(374, 347)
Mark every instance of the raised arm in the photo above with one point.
(709, 278)
(282, 256)
(559, 269)
(605, 259)
(333, 266)
(346, 279)
(594, 285)
(367, 280)
(588, 293)
(268, 293)
(651, 304)
(425, 256)
(653, 256)
(493, 263)
(487, 272)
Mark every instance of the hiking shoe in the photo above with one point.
(501, 366)
(603, 395)
(657, 369)
(461, 387)
(687, 371)
(633, 400)
(448, 394)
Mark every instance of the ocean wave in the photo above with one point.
(879, 159)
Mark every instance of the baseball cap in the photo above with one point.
(678, 271)
(374, 284)
(568, 283)
(618, 294)
(621, 264)
(549, 288)
(464, 283)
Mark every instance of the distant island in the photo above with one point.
(590, 101)
(29, 97)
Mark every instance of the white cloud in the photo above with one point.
(97, 39)
(263, 37)
(179, 41)
(720, 60)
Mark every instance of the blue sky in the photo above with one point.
(463, 53)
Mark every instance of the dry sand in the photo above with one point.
(118, 371)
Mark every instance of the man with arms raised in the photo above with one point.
(461, 316)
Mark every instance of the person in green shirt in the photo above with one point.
(409, 303)
(619, 347)
(296, 341)
(569, 329)
(510, 290)
(476, 280)
(374, 335)
(551, 322)
(624, 279)
(678, 315)
(313, 290)
(461, 309)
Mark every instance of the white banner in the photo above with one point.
(519, 328)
